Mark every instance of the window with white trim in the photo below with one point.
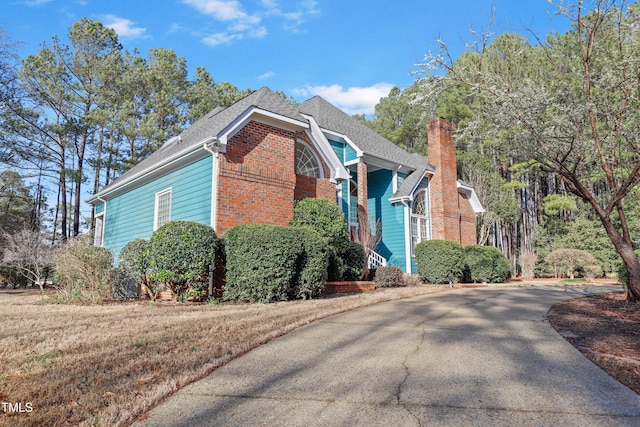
(162, 214)
(306, 161)
(98, 230)
(420, 227)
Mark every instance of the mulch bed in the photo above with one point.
(606, 329)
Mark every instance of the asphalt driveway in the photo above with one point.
(483, 356)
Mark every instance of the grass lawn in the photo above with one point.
(108, 364)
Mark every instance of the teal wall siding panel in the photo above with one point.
(380, 189)
(350, 153)
(130, 215)
(338, 148)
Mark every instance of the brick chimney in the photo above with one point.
(445, 212)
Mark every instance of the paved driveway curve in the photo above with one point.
(483, 356)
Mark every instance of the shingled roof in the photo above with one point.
(332, 118)
(325, 114)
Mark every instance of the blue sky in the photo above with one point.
(349, 52)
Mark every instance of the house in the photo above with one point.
(249, 163)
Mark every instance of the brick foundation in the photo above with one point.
(349, 287)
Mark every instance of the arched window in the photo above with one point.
(306, 161)
(420, 227)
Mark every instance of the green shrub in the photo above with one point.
(134, 263)
(351, 259)
(83, 272)
(485, 264)
(322, 215)
(179, 255)
(312, 270)
(389, 277)
(267, 263)
(134, 256)
(440, 261)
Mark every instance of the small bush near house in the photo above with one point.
(440, 261)
(322, 215)
(83, 272)
(267, 263)
(485, 264)
(389, 277)
(312, 273)
(351, 259)
(179, 255)
(134, 263)
(347, 258)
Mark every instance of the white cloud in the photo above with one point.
(124, 27)
(32, 3)
(218, 39)
(222, 10)
(266, 75)
(240, 24)
(353, 100)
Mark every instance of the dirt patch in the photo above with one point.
(606, 329)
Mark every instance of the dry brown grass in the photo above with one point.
(108, 364)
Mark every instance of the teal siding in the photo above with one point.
(392, 246)
(99, 208)
(350, 153)
(338, 148)
(130, 215)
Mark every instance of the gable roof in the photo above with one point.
(222, 122)
(331, 118)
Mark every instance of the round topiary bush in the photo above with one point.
(267, 263)
(485, 264)
(322, 215)
(389, 277)
(134, 256)
(440, 261)
(179, 255)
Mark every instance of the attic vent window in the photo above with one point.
(306, 161)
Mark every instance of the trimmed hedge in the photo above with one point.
(322, 215)
(267, 263)
(134, 257)
(389, 277)
(351, 259)
(179, 255)
(485, 264)
(440, 261)
(347, 258)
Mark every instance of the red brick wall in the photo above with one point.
(257, 182)
(452, 217)
(468, 233)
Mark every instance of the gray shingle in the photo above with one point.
(326, 115)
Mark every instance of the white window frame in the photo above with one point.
(160, 218)
(420, 225)
(98, 236)
(311, 151)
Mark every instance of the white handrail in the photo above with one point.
(376, 260)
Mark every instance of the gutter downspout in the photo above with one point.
(213, 147)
